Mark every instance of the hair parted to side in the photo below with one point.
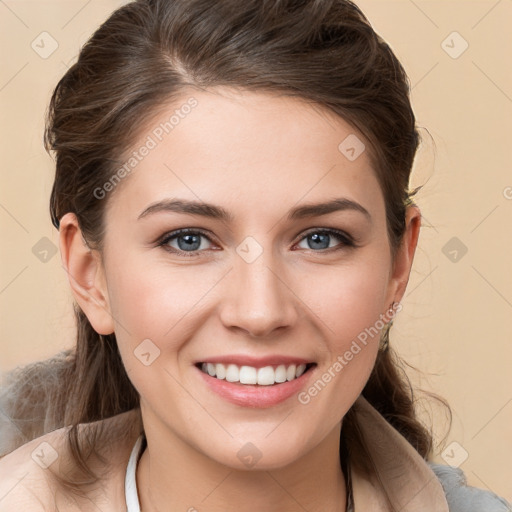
(150, 52)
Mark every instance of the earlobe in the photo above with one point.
(405, 253)
(86, 275)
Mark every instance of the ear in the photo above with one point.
(405, 255)
(86, 275)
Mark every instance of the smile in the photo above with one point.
(250, 375)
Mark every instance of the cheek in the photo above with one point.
(350, 306)
(348, 300)
(150, 300)
(152, 304)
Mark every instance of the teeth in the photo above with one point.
(220, 371)
(281, 373)
(248, 375)
(232, 373)
(300, 370)
(266, 376)
(211, 369)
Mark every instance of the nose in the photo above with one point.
(258, 300)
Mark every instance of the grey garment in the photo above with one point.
(459, 496)
(464, 498)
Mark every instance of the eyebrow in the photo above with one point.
(219, 213)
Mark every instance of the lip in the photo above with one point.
(256, 362)
(253, 395)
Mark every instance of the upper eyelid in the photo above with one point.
(185, 231)
(341, 234)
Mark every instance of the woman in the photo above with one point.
(232, 199)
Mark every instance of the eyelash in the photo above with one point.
(347, 241)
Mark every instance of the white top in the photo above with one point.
(130, 483)
(403, 480)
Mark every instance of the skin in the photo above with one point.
(257, 156)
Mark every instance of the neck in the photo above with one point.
(172, 475)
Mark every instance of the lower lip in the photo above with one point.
(249, 395)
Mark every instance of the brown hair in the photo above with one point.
(146, 54)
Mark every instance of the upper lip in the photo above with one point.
(256, 362)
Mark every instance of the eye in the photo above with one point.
(321, 238)
(185, 241)
(189, 242)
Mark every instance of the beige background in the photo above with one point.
(455, 326)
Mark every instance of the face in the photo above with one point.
(257, 284)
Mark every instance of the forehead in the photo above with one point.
(249, 149)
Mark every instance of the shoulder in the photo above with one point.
(25, 482)
(464, 498)
(29, 475)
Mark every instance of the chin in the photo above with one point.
(257, 455)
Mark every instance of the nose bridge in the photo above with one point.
(259, 301)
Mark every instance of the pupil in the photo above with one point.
(319, 239)
(190, 240)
